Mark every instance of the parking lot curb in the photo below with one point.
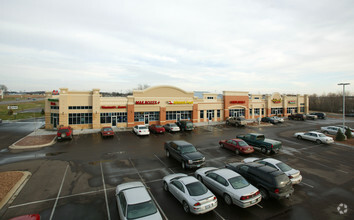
(15, 147)
(16, 189)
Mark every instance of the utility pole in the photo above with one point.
(343, 84)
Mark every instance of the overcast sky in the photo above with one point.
(260, 46)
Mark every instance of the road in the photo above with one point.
(72, 179)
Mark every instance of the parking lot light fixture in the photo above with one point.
(343, 84)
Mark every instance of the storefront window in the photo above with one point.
(276, 111)
(218, 113)
(153, 116)
(107, 117)
(250, 111)
(236, 112)
(80, 118)
(262, 111)
(292, 110)
(302, 109)
(174, 115)
(210, 114)
(256, 111)
(201, 113)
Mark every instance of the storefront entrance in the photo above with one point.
(146, 119)
(236, 112)
(114, 121)
(55, 122)
(178, 117)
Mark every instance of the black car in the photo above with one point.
(270, 181)
(319, 114)
(185, 153)
(185, 125)
(270, 120)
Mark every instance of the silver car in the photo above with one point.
(193, 195)
(331, 130)
(280, 120)
(134, 202)
(317, 137)
(230, 185)
(294, 175)
(171, 127)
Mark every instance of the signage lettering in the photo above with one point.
(276, 100)
(12, 107)
(292, 102)
(55, 92)
(112, 107)
(147, 102)
(237, 102)
(179, 102)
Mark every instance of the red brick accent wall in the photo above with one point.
(195, 113)
(130, 114)
(227, 104)
(162, 115)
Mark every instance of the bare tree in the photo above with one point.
(3, 88)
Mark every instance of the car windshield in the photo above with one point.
(242, 143)
(63, 131)
(283, 167)
(238, 182)
(281, 180)
(173, 125)
(321, 135)
(196, 189)
(107, 129)
(158, 126)
(188, 149)
(142, 127)
(141, 210)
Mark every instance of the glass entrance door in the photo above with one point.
(114, 121)
(178, 116)
(55, 122)
(146, 119)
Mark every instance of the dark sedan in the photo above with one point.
(270, 120)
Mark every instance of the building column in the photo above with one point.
(195, 113)
(96, 108)
(130, 115)
(162, 115)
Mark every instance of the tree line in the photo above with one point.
(331, 102)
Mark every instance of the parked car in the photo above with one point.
(141, 130)
(230, 185)
(301, 117)
(185, 125)
(260, 142)
(27, 217)
(193, 195)
(270, 181)
(346, 127)
(314, 136)
(171, 127)
(236, 121)
(319, 115)
(157, 129)
(293, 174)
(0, 120)
(280, 120)
(333, 130)
(236, 145)
(134, 202)
(311, 117)
(64, 132)
(185, 153)
(107, 132)
(270, 120)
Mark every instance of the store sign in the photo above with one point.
(147, 102)
(52, 103)
(276, 100)
(237, 102)
(53, 100)
(179, 102)
(55, 92)
(292, 102)
(14, 107)
(112, 107)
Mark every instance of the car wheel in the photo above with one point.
(200, 178)
(183, 165)
(222, 145)
(227, 199)
(299, 137)
(185, 207)
(325, 132)
(237, 152)
(165, 186)
(318, 141)
(167, 153)
(263, 150)
(71, 136)
(264, 193)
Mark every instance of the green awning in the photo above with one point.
(53, 100)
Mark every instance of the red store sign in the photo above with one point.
(112, 107)
(147, 102)
(237, 102)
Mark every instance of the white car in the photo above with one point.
(293, 174)
(332, 130)
(341, 126)
(171, 127)
(230, 185)
(141, 130)
(134, 202)
(281, 120)
(193, 195)
(314, 136)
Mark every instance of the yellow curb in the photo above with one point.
(16, 189)
(14, 147)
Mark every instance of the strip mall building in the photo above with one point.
(162, 105)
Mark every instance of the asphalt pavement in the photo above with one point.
(76, 179)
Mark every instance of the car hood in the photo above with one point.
(193, 156)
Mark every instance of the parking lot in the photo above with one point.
(76, 179)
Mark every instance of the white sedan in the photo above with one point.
(293, 174)
(230, 185)
(141, 130)
(314, 136)
(193, 195)
(134, 202)
(332, 130)
(281, 120)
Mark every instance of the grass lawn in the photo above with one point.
(22, 106)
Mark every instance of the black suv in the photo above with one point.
(319, 114)
(301, 117)
(185, 125)
(270, 181)
(185, 153)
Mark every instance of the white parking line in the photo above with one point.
(152, 196)
(163, 163)
(307, 185)
(105, 193)
(61, 186)
(259, 206)
(218, 214)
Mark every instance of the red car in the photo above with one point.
(27, 217)
(157, 129)
(236, 145)
(107, 132)
(64, 132)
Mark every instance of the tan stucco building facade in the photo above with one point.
(162, 105)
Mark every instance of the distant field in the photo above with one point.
(20, 97)
(22, 106)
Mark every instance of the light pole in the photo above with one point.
(343, 84)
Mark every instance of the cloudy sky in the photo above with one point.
(259, 46)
